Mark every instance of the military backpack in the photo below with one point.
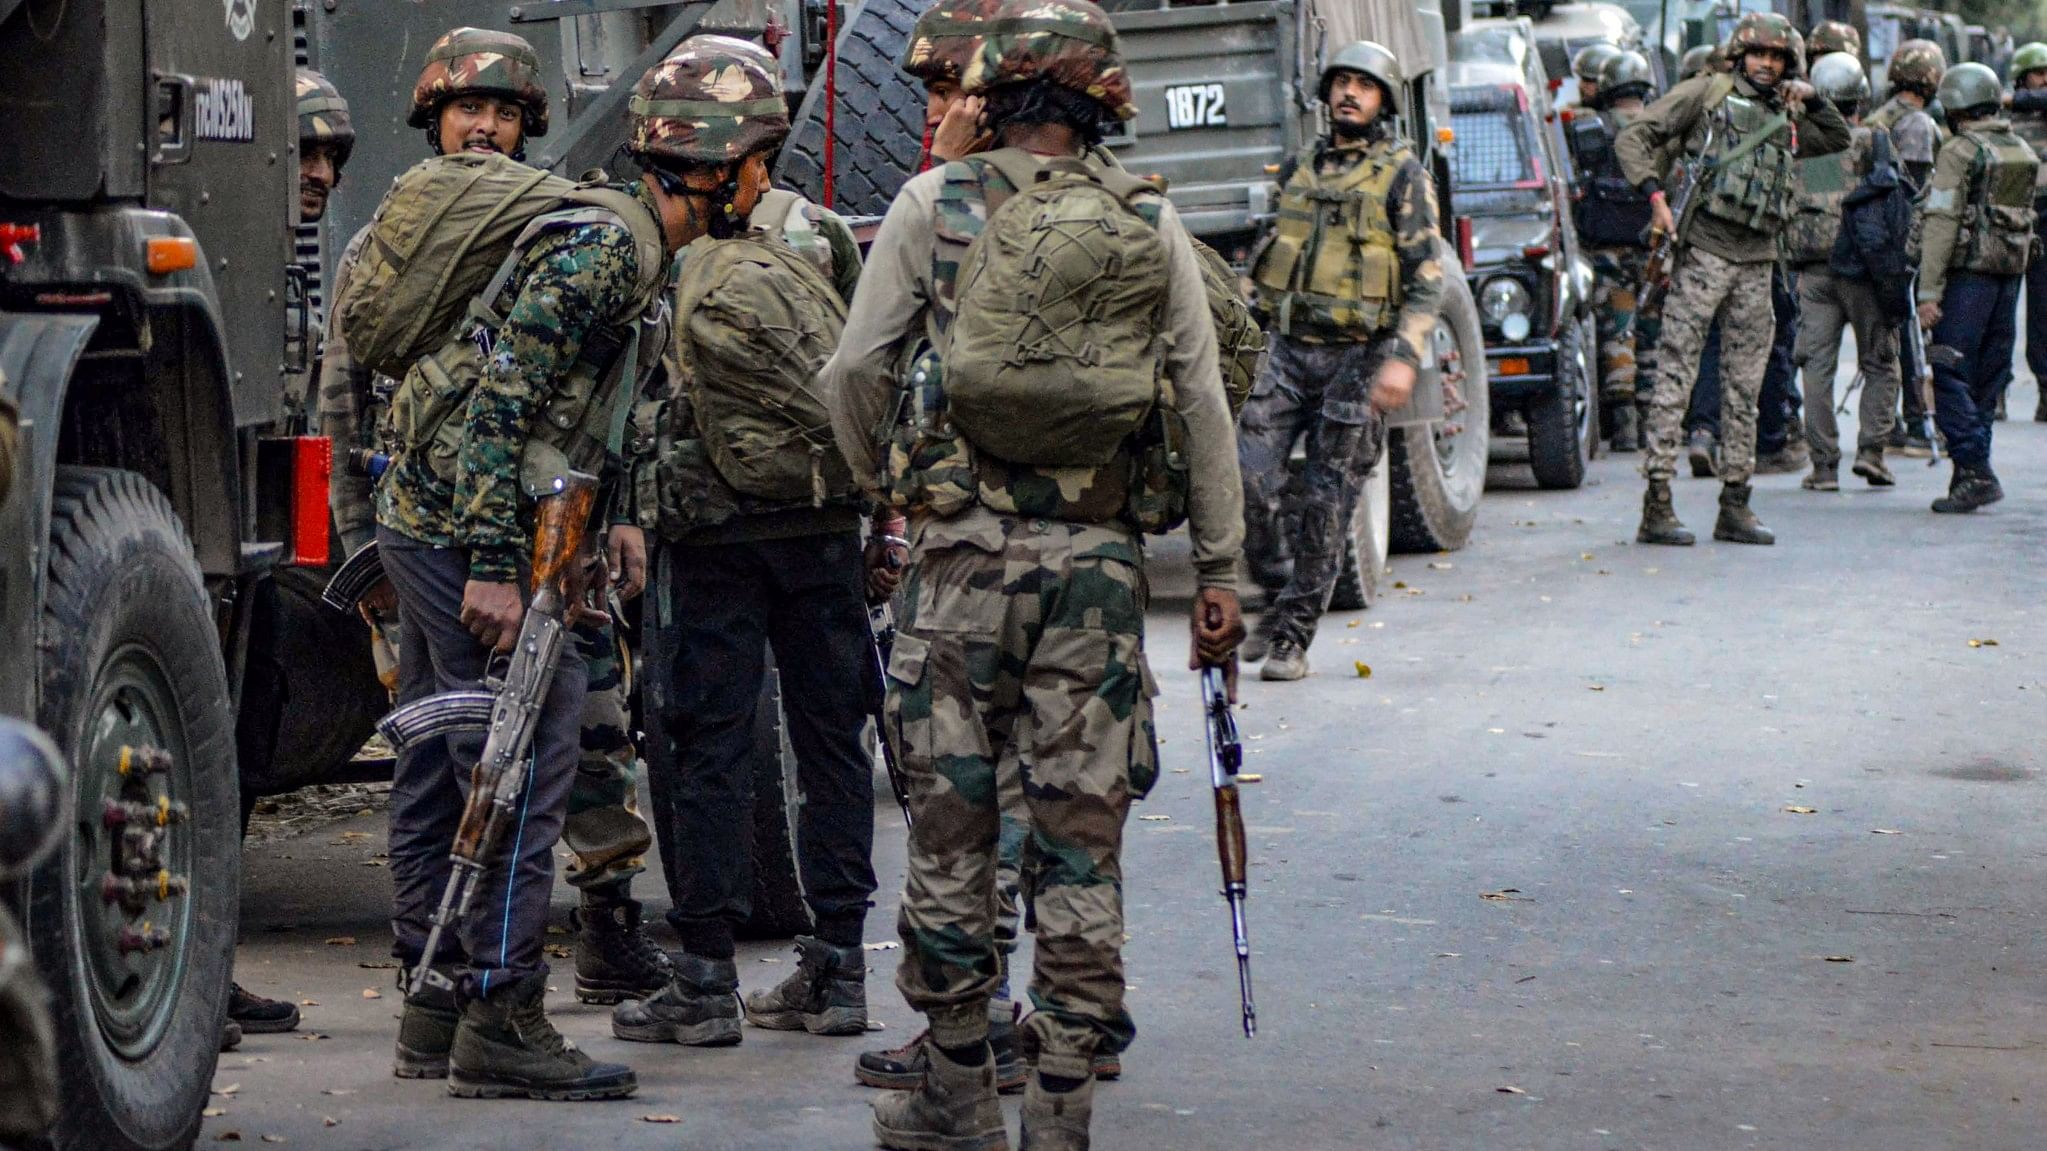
(1997, 225)
(1239, 341)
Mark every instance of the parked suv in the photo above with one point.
(1533, 290)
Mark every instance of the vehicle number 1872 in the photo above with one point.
(1195, 106)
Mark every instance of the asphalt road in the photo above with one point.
(1616, 847)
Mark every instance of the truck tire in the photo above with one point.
(1438, 468)
(1563, 424)
(778, 909)
(130, 657)
(880, 122)
(1364, 557)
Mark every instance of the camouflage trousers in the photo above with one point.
(605, 830)
(1703, 288)
(1027, 642)
(1627, 334)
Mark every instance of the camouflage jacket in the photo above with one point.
(568, 284)
(895, 308)
(1959, 230)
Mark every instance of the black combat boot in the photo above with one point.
(698, 1008)
(1627, 428)
(1659, 519)
(426, 1029)
(615, 959)
(953, 1108)
(506, 1048)
(825, 995)
(1737, 524)
(1971, 488)
(257, 1015)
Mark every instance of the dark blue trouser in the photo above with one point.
(1979, 323)
(1778, 403)
(507, 922)
(2036, 321)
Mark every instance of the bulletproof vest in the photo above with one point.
(2032, 128)
(1611, 212)
(1753, 181)
(1997, 224)
(1823, 183)
(1332, 268)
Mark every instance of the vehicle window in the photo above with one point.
(1494, 147)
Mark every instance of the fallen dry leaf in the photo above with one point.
(338, 1091)
(341, 941)
(1510, 1091)
(660, 1118)
(1838, 958)
(380, 965)
(230, 1089)
(372, 993)
(329, 1121)
(1503, 895)
(1364, 669)
(1441, 566)
(313, 1036)
(1249, 777)
(1598, 687)
(1353, 623)
(1982, 643)
(309, 1003)
(275, 1139)
(883, 945)
(1797, 810)
(228, 1137)
(1400, 584)
(1155, 818)
(213, 1112)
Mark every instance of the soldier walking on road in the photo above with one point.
(2028, 102)
(1913, 75)
(1349, 285)
(1976, 244)
(1741, 133)
(1612, 216)
(1024, 601)
(759, 536)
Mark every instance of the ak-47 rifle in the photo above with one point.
(500, 774)
(1922, 359)
(1662, 260)
(881, 621)
(1225, 757)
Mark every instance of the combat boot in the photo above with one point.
(1056, 1120)
(1870, 466)
(1704, 451)
(1971, 488)
(1627, 429)
(902, 1068)
(1286, 661)
(507, 1048)
(1737, 524)
(257, 1015)
(825, 995)
(615, 959)
(426, 1029)
(1259, 642)
(953, 1108)
(1824, 478)
(1785, 460)
(698, 1008)
(1660, 524)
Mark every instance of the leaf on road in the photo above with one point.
(560, 951)
(881, 945)
(1505, 895)
(380, 965)
(1838, 958)
(1597, 686)
(1155, 818)
(338, 1091)
(275, 1139)
(1982, 643)
(1364, 669)
(660, 1118)
(313, 1036)
(230, 1089)
(1885, 831)
(213, 1112)
(341, 941)
(329, 1121)
(1353, 623)
(1510, 1091)
(1400, 584)
(1795, 809)
(228, 1137)
(1249, 777)
(372, 993)
(1182, 770)
(1441, 566)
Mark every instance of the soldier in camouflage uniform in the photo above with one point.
(941, 44)
(1977, 242)
(1348, 309)
(2028, 102)
(1023, 620)
(455, 538)
(1750, 127)
(1612, 217)
(1831, 36)
(1912, 76)
(615, 959)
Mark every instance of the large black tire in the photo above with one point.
(1364, 556)
(1438, 478)
(1563, 424)
(311, 695)
(778, 908)
(130, 656)
(880, 122)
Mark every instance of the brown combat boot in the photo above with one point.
(1870, 466)
(1057, 1120)
(1659, 519)
(1737, 524)
(955, 1108)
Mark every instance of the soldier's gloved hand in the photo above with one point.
(1929, 315)
(492, 611)
(1393, 384)
(1795, 92)
(961, 133)
(1217, 623)
(627, 544)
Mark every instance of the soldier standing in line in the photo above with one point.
(1912, 76)
(1024, 605)
(1586, 66)
(1748, 128)
(1831, 303)
(2028, 102)
(1348, 285)
(1977, 243)
(743, 570)
(1612, 217)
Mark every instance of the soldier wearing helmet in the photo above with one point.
(942, 43)
(707, 123)
(326, 137)
(992, 538)
(1348, 311)
(2028, 102)
(1911, 78)
(1830, 36)
(1612, 217)
(1586, 67)
(480, 91)
(1695, 61)
(1977, 244)
(1741, 135)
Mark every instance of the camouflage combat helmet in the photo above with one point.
(323, 116)
(478, 61)
(1591, 58)
(1372, 61)
(1829, 36)
(1838, 76)
(715, 99)
(1625, 74)
(1763, 31)
(1918, 65)
(2030, 57)
(1695, 61)
(1967, 89)
(1069, 42)
(946, 39)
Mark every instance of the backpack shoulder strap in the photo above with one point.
(650, 274)
(1718, 89)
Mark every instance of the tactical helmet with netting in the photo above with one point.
(2031, 57)
(1970, 90)
(1767, 31)
(1623, 75)
(480, 62)
(1838, 76)
(1695, 61)
(1372, 61)
(715, 99)
(1585, 65)
(946, 38)
(1917, 65)
(1829, 36)
(323, 116)
(1071, 43)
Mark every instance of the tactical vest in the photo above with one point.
(2032, 129)
(1823, 183)
(1997, 223)
(1331, 272)
(1611, 212)
(1754, 179)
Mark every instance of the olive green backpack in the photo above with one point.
(1054, 357)
(1239, 341)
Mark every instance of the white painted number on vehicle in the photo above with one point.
(1195, 106)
